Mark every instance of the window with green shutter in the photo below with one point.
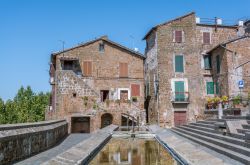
(218, 63)
(210, 88)
(179, 91)
(207, 62)
(179, 63)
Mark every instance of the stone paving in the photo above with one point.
(191, 152)
(69, 142)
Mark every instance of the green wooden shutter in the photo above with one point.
(210, 87)
(207, 62)
(179, 91)
(179, 64)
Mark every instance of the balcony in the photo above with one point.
(180, 97)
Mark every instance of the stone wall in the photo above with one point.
(19, 141)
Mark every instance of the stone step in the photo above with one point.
(203, 128)
(221, 143)
(232, 154)
(238, 135)
(243, 131)
(225, 138)
(246, 126)
(203, 125)
(217, 120)
(206, 121)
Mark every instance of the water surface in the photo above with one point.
(133, 151)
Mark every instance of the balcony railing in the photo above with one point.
(180, 97)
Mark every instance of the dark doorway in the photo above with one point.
(106, 120)
(180, 118)
(80, 125)
(104, 95)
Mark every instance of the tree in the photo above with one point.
(2, 112)
(26, 106)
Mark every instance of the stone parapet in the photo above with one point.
(19, 141)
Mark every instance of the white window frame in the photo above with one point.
(124, 89)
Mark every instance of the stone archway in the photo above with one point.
(106, 120)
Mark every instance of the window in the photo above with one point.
(218, 63)
(179, 91)
(206, 37)
(123, 69)
(68, 65)
(210, 88)
(207, 62)
(104, 95)
(87, 68)
(178, 36)
(135, 90)
(179, 63)
(123, 95)
(101, 47)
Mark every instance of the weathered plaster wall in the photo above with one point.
(18, 141)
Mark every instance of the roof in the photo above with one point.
(186, 15)
(155, 27)
(228, 42)
(103, 38)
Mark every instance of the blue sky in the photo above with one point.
(31, 30)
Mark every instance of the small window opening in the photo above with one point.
(101, 47)
(74, 94)
(68, 65)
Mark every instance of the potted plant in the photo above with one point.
(210, 102)
(134, 99)
(224, 99)
(236, 101)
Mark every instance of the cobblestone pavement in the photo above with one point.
(70, 141)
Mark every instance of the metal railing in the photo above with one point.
(180, 97)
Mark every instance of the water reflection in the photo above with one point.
(133, 152)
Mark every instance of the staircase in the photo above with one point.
(206, 134)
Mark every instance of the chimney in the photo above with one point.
(198, 20)
(241, 23)
(219, 21)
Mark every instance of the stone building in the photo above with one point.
(178, 75)
(96, 84)
(230, 64)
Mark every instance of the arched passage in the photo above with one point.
(106, 120)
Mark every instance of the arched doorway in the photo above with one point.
(106, 120)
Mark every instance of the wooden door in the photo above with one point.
(180, 118)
